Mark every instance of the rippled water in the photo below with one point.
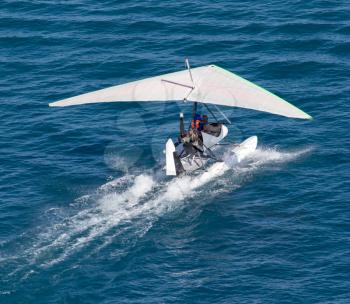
(86, 215)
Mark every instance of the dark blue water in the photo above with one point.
(86, 215)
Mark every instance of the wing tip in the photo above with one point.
(305, 115)
(55, 104)
(309, 117)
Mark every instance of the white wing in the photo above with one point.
(159, 88)
(221, 87)
(212, 85)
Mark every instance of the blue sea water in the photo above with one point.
(86, 215)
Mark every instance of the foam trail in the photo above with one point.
(265, 156)
(92, 222)
(117, 182)
(126, 208)
(274, 155)
(168, 197)
(114, 208)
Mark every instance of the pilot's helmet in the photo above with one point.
(197, 116)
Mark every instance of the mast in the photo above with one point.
(194, 109)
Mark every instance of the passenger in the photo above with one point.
(210, 128)
(204, 122)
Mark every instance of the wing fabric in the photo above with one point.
(176, 87)
(221, 87)
(212, 85)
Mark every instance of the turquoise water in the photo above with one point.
(86, 215)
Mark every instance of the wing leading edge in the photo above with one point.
(211, 84)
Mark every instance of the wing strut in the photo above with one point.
(189, 69)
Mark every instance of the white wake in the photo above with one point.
(127, 207)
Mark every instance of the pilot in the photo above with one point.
(196, 122)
